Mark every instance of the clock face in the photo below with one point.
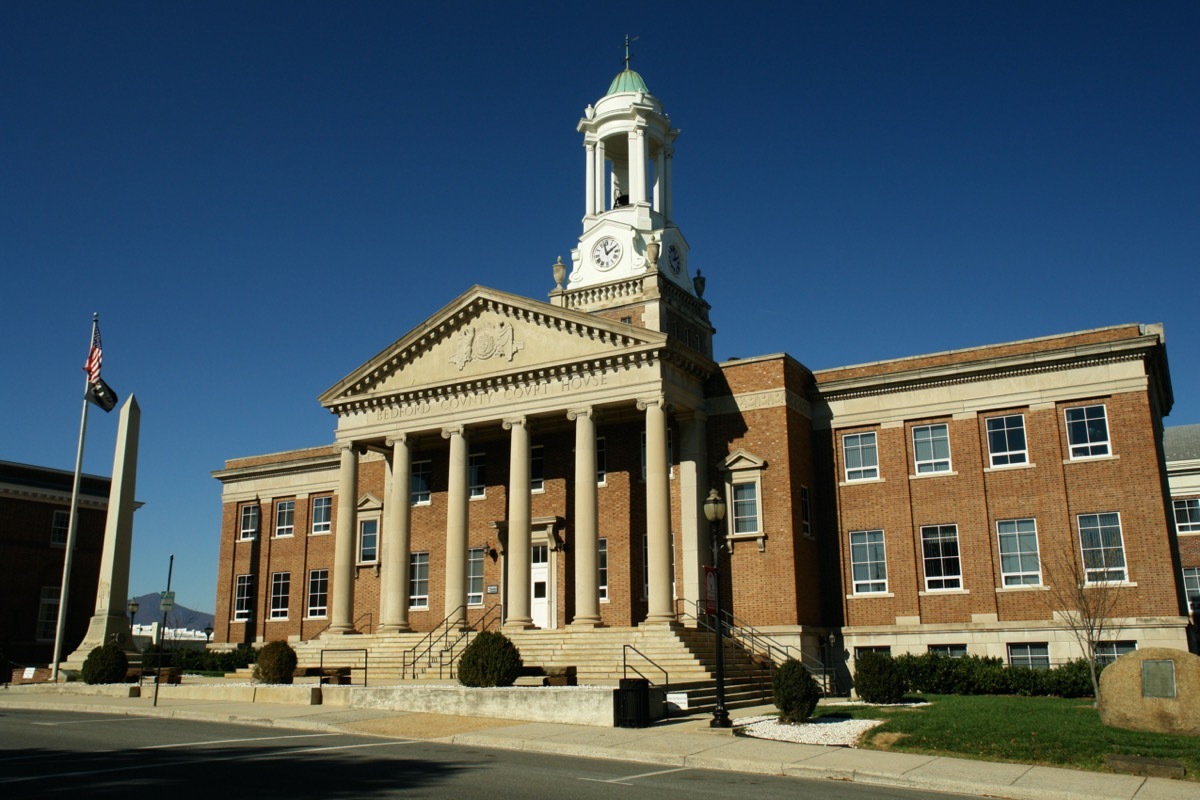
(674, 259)
(606, 253)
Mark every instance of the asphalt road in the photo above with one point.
(67, 755)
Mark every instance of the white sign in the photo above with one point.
(678, 699)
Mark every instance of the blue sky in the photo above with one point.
(257, 197)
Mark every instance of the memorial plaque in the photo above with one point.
(1158, 678)
(493, 588)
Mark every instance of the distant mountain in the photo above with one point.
(180, 617)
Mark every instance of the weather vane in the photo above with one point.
(629, 41)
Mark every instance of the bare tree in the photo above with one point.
(1085, 589)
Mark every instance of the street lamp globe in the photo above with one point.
(714, 506)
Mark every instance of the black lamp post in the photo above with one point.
(714, 511)
(832, 639)
(208, 631)
(133, 607)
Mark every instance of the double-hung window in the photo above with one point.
(475, 576)
(243, 598)
(602, 563)
(249, 527)
(368, 541)
(745, 516)
(861, 455)
(281, 587)
(1019, 563)
(59, 525)
(1191, 587)
(422, 475)
(1103, 548)
(601, 462)
(1006, 440)
(47, 624)
(949, 650)
(285, 518)
(1108, 652)
(537, 468)
(943, 568)
(477, 479)
(1087, 431)
(868, 562)
(1030, 655)
(931, 448)
(322, 514)
(318, 593)
(418, 580)
(805, 512)
(1187, 515)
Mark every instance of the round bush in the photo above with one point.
(107, 664)
(877, 679)
(276, 663)
(491, 659)
(795, 692)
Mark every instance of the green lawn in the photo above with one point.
(1028, 730)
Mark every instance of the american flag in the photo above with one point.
(92, 366)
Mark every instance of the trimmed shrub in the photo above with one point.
(795, 692)
(276, 663)
(107, 664)
(1073, 679)
(491, 659)
(877, 679)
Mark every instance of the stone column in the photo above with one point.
(587, 572)
(693, 484)
(658, 513)
(342, 620)
(658, 181)
(397, 525)
(637, 166)
(516, 552)
(600, 184)
(456, 526)
(669, 153)
(590, 180)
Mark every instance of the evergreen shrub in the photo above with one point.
(107, 664)
(877, 678)
(276, 663)
(795, 692)
(491, 659)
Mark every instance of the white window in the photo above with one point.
(1087, 431)
(1108, 652)
(285, 518)
(868, 562)
(1191, 587)
(1019, 563)
(322, 514)
(47, 624)
(418, 580)
(249, 529)
(59, 525)
(931, 448)
(422, 475)
(368, 541)
(805, 512)
(1033, 656)
(537, 468)
(601, 462)
(670, 455)
(880, 649)
(1103, 549)
(745, 518)
(475, 576)
(1006, 440)
(243, 598)
(1187, 515)
(939, 545)
(949, 650)
(281, 587)
(318, 593)
(602, 563)
(861, 456)
(477, 480)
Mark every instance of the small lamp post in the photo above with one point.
(714, 512)
(208, 631)
(133, 607)
(832, 640)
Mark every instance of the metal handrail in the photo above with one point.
(478, 626)
(433, 637)
(366, 654)
(625, 664)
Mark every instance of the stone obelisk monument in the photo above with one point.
(110, 621)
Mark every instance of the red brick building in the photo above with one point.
(546, 463)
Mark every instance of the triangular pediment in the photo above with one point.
(742, 460)
(485, 336)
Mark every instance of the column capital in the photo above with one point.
(343, 446)
(450, 431)
(645, 402)
(398, 438)
(510, 422)
(583, 411)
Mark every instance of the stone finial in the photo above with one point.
(699, 282)
(560, 272)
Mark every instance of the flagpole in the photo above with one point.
(72, 525)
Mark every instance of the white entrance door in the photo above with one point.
(539, 585)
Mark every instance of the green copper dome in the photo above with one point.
(627, 81)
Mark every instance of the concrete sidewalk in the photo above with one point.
(687, 742)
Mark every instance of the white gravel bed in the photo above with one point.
(843, 732)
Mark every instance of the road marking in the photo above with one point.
(352, 746)
(90, 721)
(623, 780)
(234, 741)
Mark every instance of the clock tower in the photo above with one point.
(632, 262)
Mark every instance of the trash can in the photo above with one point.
(633, 703)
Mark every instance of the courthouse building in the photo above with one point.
(543, 464)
